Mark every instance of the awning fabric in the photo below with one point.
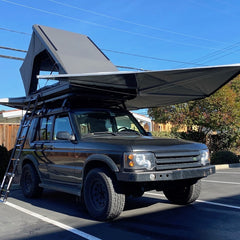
(138, 89)
(157, 88)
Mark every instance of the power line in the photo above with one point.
(149, 57)
(14, 31)
(224, 55)
(13, 49)
(105, 26)
(22, 59)
(216, 54)
(205, 58)
(11, 57)
(124, 53)
(134, 23)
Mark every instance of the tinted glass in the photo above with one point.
(62, 124)
(44, 129)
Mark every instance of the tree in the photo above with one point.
(219, 112)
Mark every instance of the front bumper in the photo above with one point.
(169, 175)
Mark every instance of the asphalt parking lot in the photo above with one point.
(216, 215)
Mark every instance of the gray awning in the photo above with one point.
(137, 89)
(156, 88)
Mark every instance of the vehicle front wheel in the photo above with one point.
(30, 182)
(183, 192)
(102, 195)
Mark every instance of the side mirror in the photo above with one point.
(149, 134)
(62, 135)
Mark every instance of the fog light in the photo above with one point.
(152, 176)
(131, 164)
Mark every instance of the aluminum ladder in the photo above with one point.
(18, 148)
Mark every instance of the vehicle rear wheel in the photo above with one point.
(183, 192)
(30, 182)
(102, 197)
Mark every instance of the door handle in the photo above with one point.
(47, 147)
(38, 145)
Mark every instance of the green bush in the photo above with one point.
(222, 141)
(163, 134)
(224, 157)
(192, 136)
(4, 159)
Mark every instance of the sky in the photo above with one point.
(144, 34)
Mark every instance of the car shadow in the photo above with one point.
(71, 205)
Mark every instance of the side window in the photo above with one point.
(62, 124)
(44, 129)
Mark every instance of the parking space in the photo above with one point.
(223, 187)
(58, 216)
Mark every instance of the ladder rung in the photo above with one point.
(19, 145)
(5, 190)
(10, 174)
(15, 159)
(21, 138)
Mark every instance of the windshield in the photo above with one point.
(107, 122)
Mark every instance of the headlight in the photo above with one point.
(139, 160)
(204, 157)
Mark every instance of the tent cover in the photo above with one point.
(60, 51)
(83, 71)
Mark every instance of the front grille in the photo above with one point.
(177, 160)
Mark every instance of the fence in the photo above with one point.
(8, 133)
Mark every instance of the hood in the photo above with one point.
(144, 143)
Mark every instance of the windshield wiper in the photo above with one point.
(127, 131)
(100, 133)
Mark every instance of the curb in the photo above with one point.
(227, 166)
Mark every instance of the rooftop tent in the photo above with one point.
(84, 72)
(63, 52)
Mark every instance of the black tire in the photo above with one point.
(102, 197)
(183, 193)
(30, 182)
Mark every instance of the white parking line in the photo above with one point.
(154, 194)
(212, 181)
(53, 222)
(229, 173)
(219, 204)
(200, 201)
